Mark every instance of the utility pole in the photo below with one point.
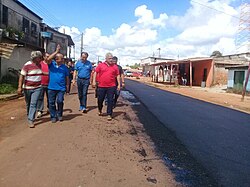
(98, 59)
(246, 81)
(81, 42)
(159, 52)
(243, 36)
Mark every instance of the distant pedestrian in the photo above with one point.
(121, 79)
(30, 83)
(107, 73)
(58, 85)
(82, 73)
(45, 83)
(70, 67)
(184, 79)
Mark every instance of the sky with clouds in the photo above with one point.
(133, 30)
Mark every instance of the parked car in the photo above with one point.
(136, 74)
(128, 73)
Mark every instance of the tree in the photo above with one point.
(135, 66)
(216, 54)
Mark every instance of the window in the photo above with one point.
(5, 15)
(26, 25)
(33, 29)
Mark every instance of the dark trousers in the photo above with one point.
(56, 97)
(83, 85)
(109, 92)
(117, 93)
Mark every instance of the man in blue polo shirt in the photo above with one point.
(58, 84)
(83, 69)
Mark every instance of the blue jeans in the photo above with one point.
(31, 98)
(83, 85)
(56, 96)
(40, 103)
(102, 92)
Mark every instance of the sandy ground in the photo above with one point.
(83, 150)
(87, 150)
(216, 95)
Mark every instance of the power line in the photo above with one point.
(40, 11)
(45, 13)
(215, 9)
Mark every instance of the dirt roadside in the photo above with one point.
(83, 150)
(216, 95)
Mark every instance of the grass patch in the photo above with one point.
(7, 88)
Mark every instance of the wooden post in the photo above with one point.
(171, 73)
(190, 73)
(246, 81)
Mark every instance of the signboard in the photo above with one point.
(48, 35)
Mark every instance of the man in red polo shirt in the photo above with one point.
(107, 73)
(44, 82)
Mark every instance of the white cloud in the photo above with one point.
(199, 32)
(146, 17)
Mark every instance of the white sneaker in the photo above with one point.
(31, 124)
(109, 118)
(39, 114)
(60, 118)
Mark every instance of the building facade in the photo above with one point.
(19, 26)
(200, 71)
(51, 37)
(237, 78)
(21, 31)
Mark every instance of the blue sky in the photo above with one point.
(98, 13)
(135, 29)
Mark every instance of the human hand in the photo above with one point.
(58, 47)
(19, 90)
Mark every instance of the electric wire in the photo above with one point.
(45, 13)
(215, 9)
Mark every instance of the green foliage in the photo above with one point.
(14, 33)
(135, 66)
(216, 54)
(7, 89)
(10, 79)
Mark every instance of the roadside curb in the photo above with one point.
(6, 97)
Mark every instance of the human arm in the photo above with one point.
(49, 59)
(20, 85)
(123, 80)
(74, 77)
(92, 76)
(93, 79)
(67, 84)
(118, 82)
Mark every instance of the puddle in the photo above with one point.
(181, 175)
(130, 98)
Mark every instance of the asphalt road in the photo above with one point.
(218, 137)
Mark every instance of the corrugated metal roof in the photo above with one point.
(183, 61)
(238, 66)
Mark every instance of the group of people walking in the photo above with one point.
(48, 75)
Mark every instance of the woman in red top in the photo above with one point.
(107, 73)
